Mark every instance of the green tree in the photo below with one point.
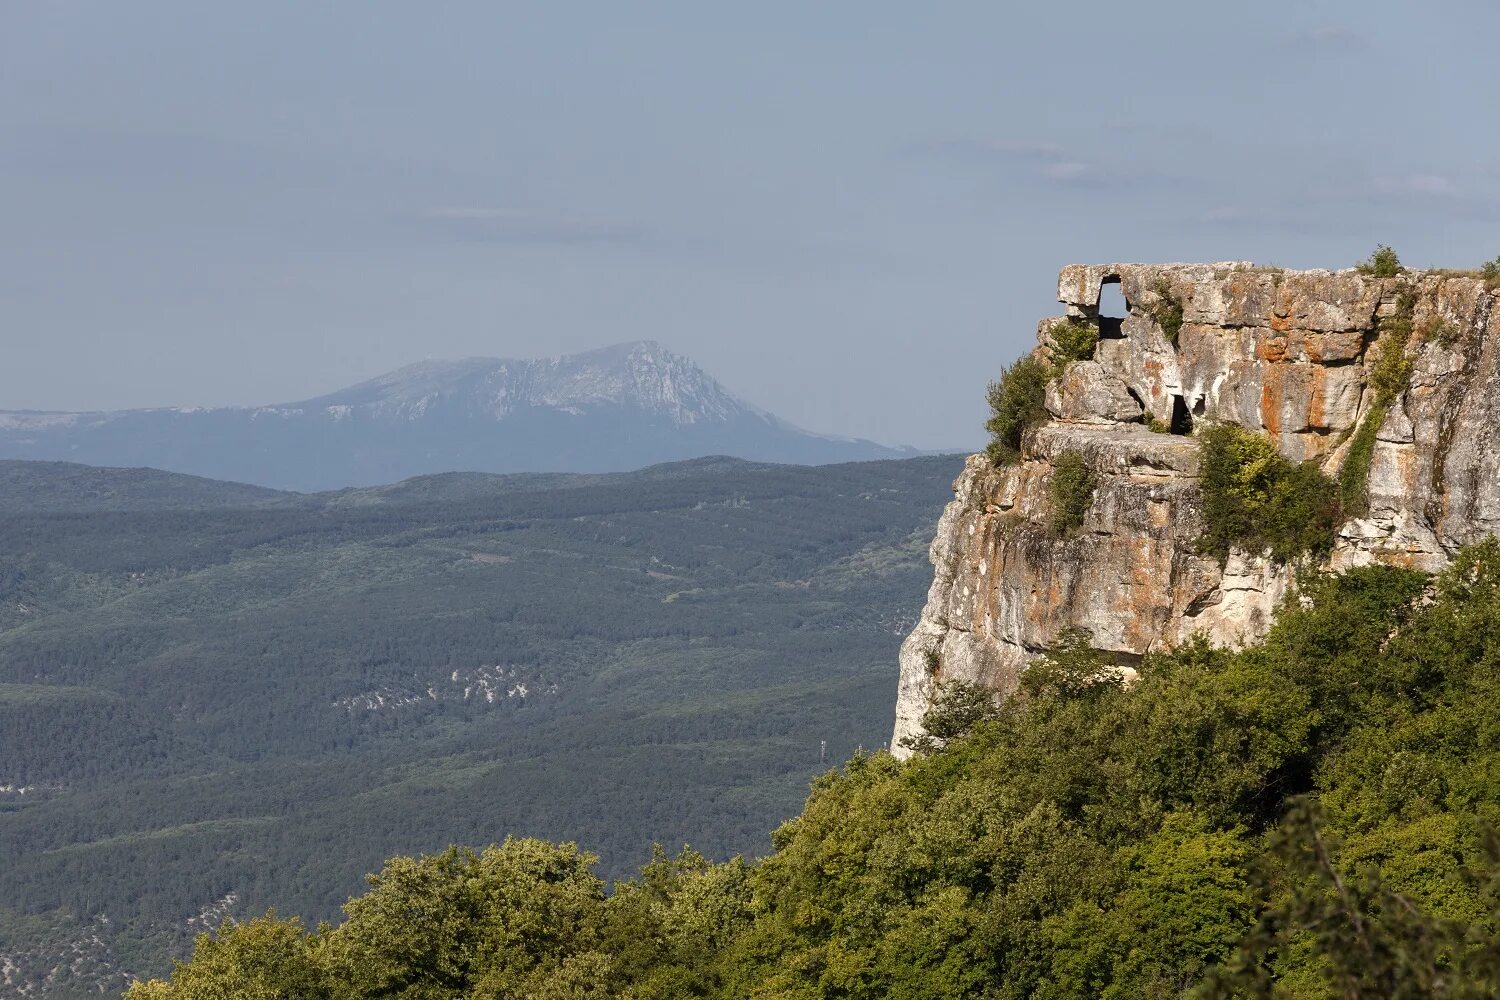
(262, 959)
(1016, 405)
(1382, 263)
(444, 925)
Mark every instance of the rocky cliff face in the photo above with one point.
(1285, 353)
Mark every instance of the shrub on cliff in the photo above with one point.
(1490, 272)
(1382, 263)
(1016, 405)
(1167, 310)
(1072, 340)
(956, 707)
(1072, 491)
(1257, 500)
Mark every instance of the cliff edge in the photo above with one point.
(1289, 354)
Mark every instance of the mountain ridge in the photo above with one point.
(612, 409)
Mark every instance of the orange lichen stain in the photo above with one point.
(1270, 398)
(1316, 399)
(1391, 557)
(1311, 346)
(1142, 599)
(1280, 323)
(1270, 348)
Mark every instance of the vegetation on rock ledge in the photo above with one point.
(1072, 340)
(1257, 500)
(1072, 492)
(1016, 405)
(1382, 263)
(1167, 310)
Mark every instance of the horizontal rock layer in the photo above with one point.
(1285, 353)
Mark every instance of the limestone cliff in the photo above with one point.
(1286, 353)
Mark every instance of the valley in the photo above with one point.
(256, 697)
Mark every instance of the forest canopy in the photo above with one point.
(1310, 817)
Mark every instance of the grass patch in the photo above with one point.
(1072, 489)
(1072, 340)
(1490, 272)
(1016, 405)
(1166, 310)
(1257, 500)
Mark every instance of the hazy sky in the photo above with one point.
(851, 213)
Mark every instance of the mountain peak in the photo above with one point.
(637, 375)
(614, 408)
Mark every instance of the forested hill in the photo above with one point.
(60, 487)
(230, 698)
(63, 487)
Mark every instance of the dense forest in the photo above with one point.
(215, 699)
(1313, 817)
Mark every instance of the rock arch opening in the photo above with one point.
(1112, 308)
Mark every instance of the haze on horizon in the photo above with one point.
(851, 214)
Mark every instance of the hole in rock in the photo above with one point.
(1182, 423)
(1112, 309)
(1198, 407)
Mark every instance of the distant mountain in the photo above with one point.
(613, 409)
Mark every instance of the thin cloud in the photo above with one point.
(1054, 165)
(1329, 38)
(495, 225)
(1419, 185)
(1045, 160)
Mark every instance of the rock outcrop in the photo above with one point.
(1285, 353)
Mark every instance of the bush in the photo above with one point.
(1383, 263)
(1255, 499)
(1072, 340)
(1490, 272)
(1072, 668)
(957, 706)
(1072, 492)
(1391, 372)
(1016, 405)
(1354, 477)
(1167, 310)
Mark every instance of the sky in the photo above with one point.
(852, 214)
